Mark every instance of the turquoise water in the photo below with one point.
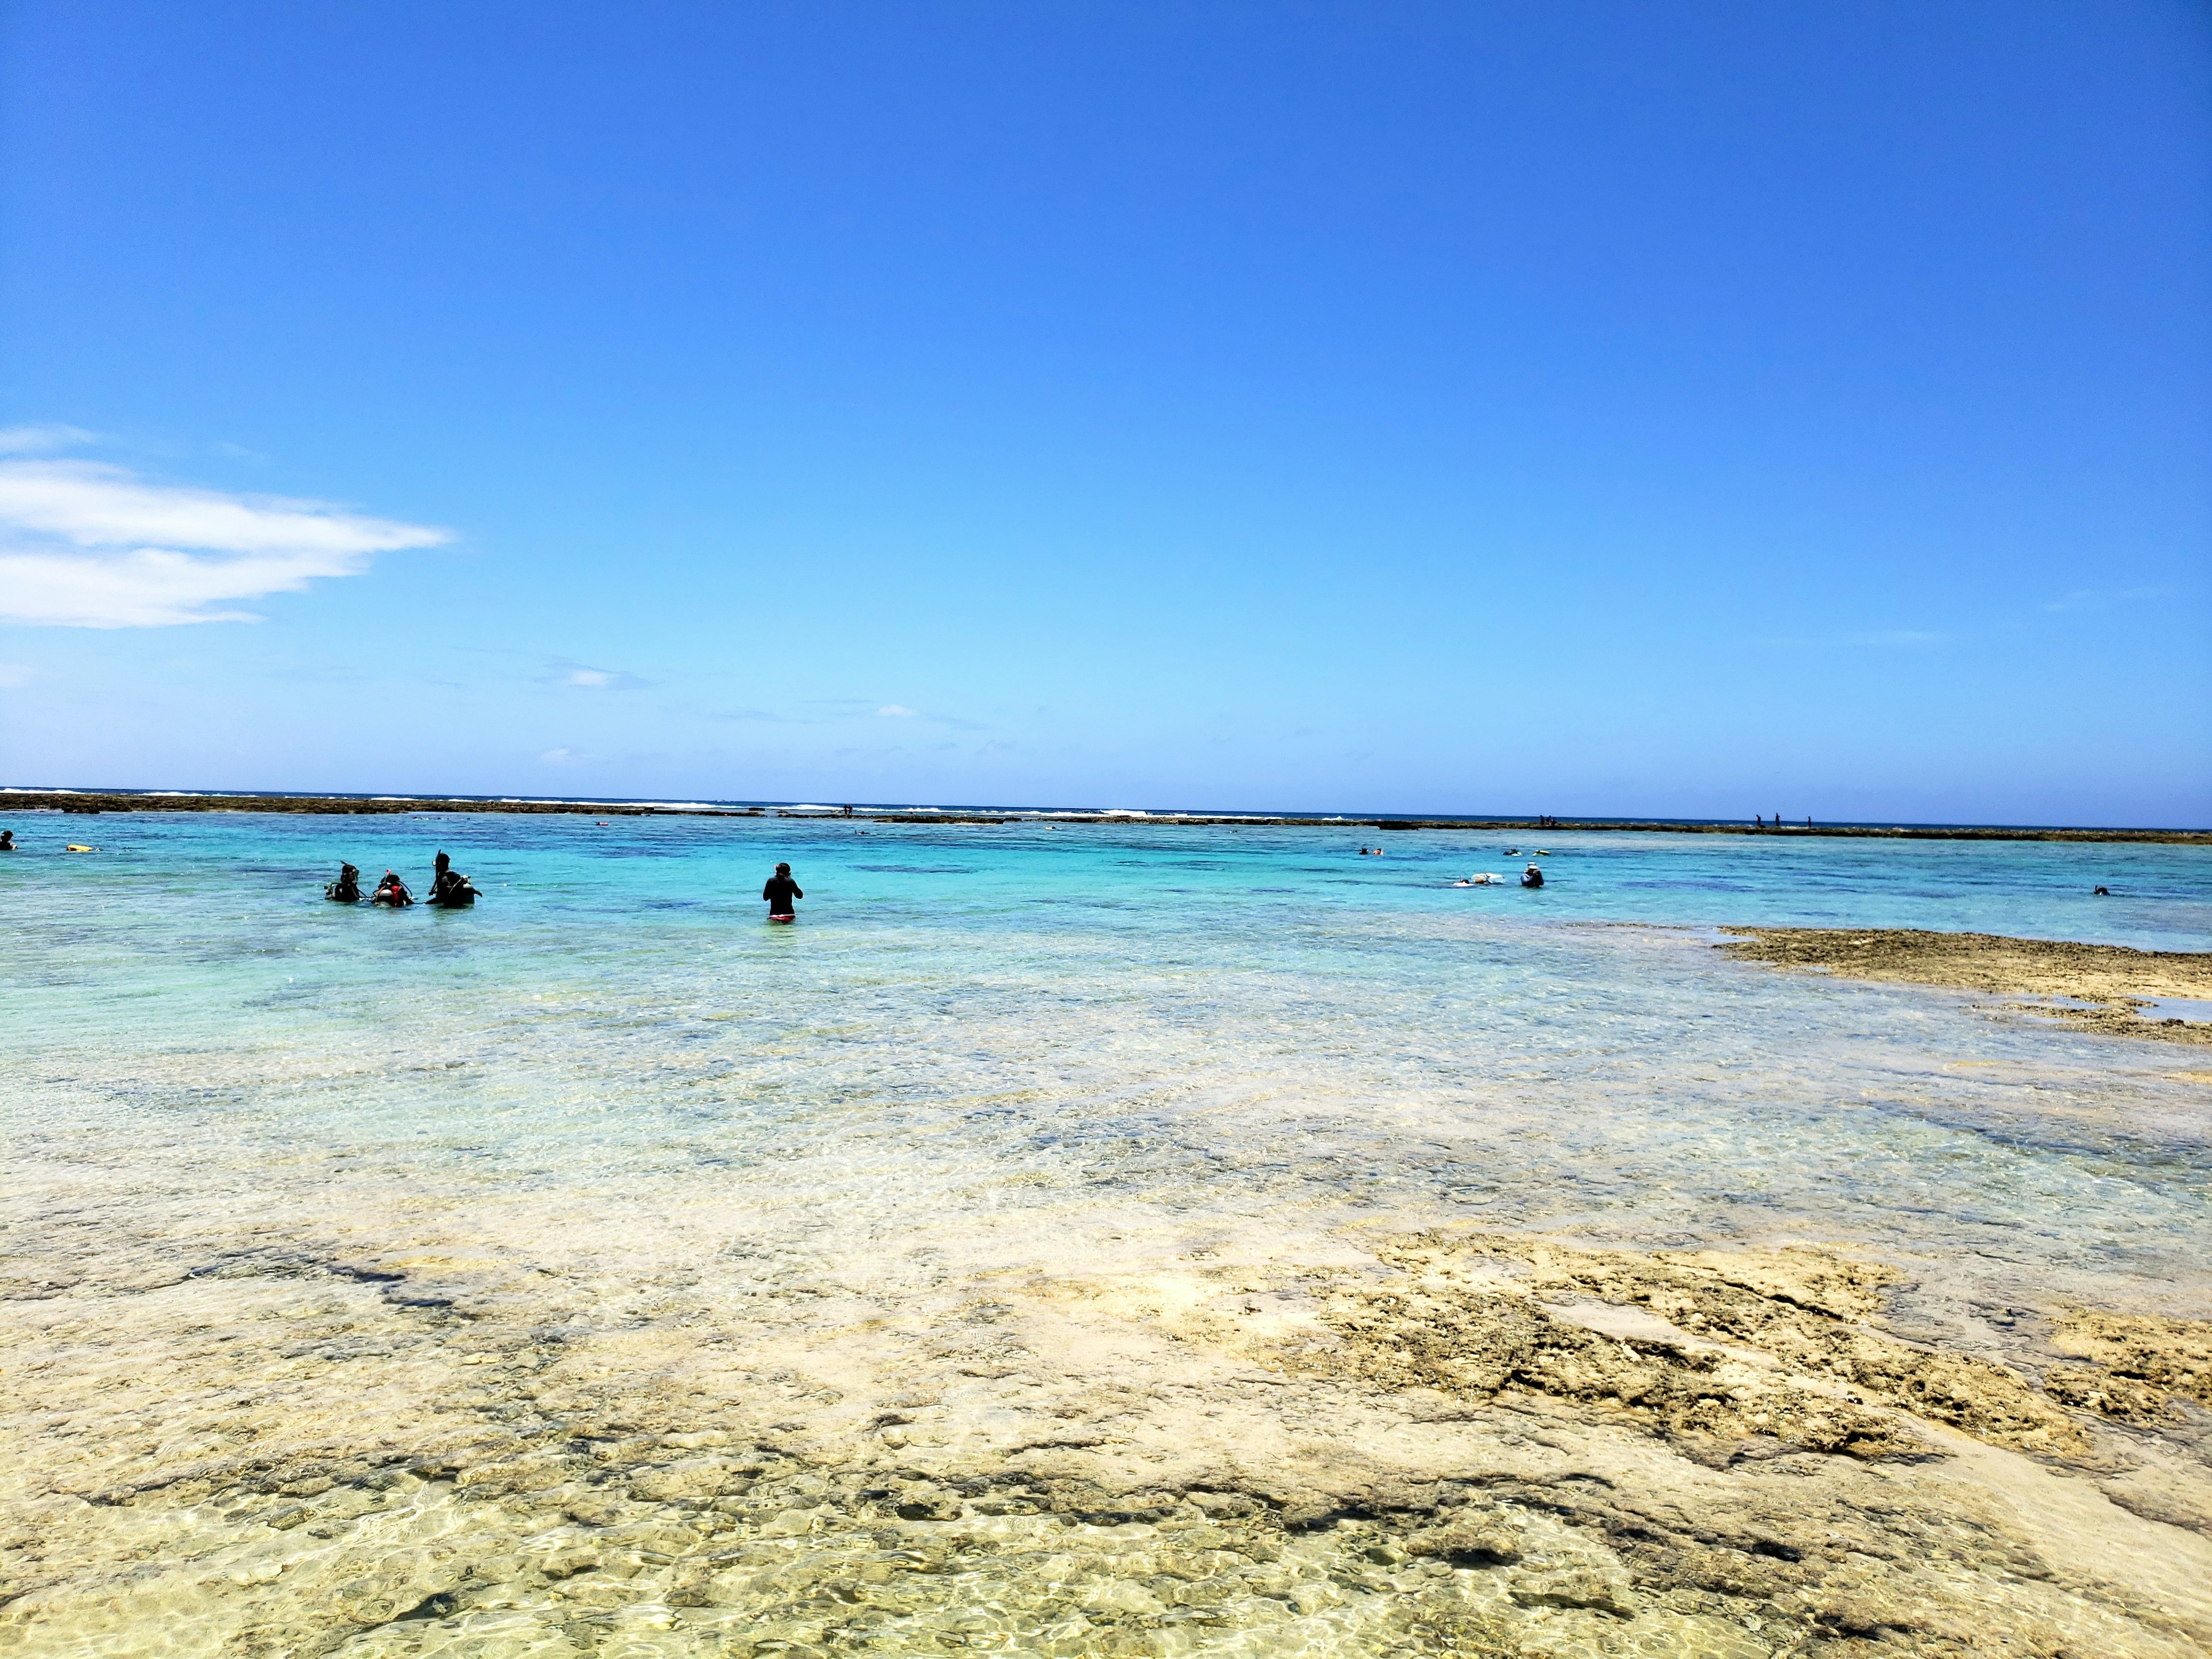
(609, 1113)
(1243, 1012)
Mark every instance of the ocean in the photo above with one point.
(784, 1247)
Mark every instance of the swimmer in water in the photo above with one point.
(780, 892)
(1532, 876)
(7, 841)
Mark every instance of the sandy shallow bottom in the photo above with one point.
(485, 1429)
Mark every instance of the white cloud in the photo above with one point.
(13, 674)
(592, 679)
(893, 709)
(40, 439)
(83, 545)
(557, 756)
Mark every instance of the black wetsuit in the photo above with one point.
(451, 890)
(780, 892)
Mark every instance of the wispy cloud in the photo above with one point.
(41, 439)
(1894, 639)
(1891, 636)
(14, 674)
(899, 711)
(84, 544)
(558, 756)
(767, 714)
(583, 675)
(2095, 599)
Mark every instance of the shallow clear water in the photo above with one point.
(1020, 1049)
(1114, 1001)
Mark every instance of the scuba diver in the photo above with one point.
(449, 888)
(392, 891)
(1532, 876)
(779, 891)
(346, 890)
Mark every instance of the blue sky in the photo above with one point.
(1617, 408)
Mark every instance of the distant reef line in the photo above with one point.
(88, 801)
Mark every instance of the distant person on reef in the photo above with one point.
(392, 891)
(449, 888)
(346, 890)
(781, 892)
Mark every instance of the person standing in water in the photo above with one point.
(780, 892)
(449, 888)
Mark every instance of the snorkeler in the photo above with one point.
(779, 891)
(392, 891)
(1532, 876)
(346, 890)
(449, 888)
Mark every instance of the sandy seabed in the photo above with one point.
(498, 1431)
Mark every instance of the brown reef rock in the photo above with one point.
(2116, 984)
(1717, 1353)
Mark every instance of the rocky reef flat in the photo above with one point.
(97, 801)
(1442, 1441)
(2104, 987)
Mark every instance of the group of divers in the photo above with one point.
(449, 888)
